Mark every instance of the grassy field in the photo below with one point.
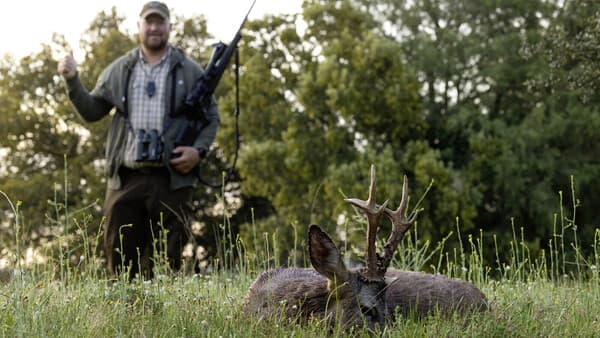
(529, 297)
(209, 306)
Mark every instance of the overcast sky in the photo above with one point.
(25, 24)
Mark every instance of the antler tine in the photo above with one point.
(373, 212)
(400, 225)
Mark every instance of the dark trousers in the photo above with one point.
(145, 219)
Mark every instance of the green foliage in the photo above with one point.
(342, 89)
(492, 101)
(572, 49)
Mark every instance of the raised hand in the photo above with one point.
(67, 66)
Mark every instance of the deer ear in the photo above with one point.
(325, 256)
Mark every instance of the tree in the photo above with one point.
(489, 100)
(571, 47)
(339, 96)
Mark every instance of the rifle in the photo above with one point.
(201, 94)
(204, 88)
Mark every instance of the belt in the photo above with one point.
(145, 171)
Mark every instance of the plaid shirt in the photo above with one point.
(146, 111)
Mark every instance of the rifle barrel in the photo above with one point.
(246, 17)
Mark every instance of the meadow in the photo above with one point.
(554, 295)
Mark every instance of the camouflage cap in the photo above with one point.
(155, 7)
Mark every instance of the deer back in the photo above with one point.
(418, 293)
(287, 291)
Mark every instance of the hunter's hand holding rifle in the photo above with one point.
(197, 102)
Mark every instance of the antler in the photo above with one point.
(373, 212)
(400, 225)
(377, 265)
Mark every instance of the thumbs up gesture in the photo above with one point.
(67, 66)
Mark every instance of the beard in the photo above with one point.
(155, 43)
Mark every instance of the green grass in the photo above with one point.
(166, 307)
(209, 306)
(529, 296)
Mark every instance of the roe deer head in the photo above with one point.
(330, 292)
(357, 297)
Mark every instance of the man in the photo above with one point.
(150, 180)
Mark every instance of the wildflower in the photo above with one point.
(562, 312)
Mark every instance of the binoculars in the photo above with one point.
(148, 146)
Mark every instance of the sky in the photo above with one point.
(29, 23)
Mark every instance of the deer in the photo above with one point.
(369, 296)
